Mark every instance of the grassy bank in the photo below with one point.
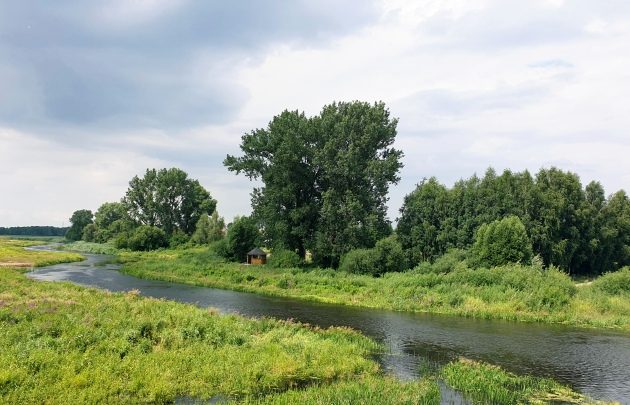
(67, 344)
(487, 384)
(13, 254)
(514, 292)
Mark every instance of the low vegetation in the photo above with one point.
(67, 344)
(488, 384)
(448, 286)
(13, 254)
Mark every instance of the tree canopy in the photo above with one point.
(575, 228)
(79, 220)
(167, 199)
(325, 178)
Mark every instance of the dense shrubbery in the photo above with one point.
(284, 259)
(143, 238)
(614, 283)
(386, 256)
(501, 242)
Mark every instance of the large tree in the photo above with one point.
(167, 199)
(325, 178)
(79, 220)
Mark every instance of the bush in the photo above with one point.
(501, 242)
(452, 260)
(284, 259)
(178, 238)
(220, 248)
(390, 256)
(359, 261)
(146, 238)
(90, 233)
(242, 236)
(614, 283)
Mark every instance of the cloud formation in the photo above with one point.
(94, 93)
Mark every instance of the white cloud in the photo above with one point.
(508, 84)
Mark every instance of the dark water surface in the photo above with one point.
(596, 363)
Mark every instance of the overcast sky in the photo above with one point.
(93, 93)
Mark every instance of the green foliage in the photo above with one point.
(89, 233)
(511, 292)
(147, 237)
(79, 220)
(501, 242)
(386, 256)
(242, 236)
(167, 199)
(209, 229)
(488, 384)
(178, 239)
(325, 178)
(284, 259)
(616, 283)
(576, 229)
(359, 261)
(365, 391)
(13, 254)
(62, 344)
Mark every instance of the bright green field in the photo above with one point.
(12, 252)
(514, 292)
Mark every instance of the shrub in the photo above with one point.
(501, 242)
(285, 259)
(209, 229)
(220, 248)
(242, 236)
(147, 237)
(389, 255)
(452, 260)
(178, 238)
(359, 261)
(614, 283)
(90, 233)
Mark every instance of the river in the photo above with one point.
(594, 362)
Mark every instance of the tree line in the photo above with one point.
(576, 228)
(33, 230)
(324, 190)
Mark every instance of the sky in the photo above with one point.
(94, 93)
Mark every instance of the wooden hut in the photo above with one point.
(256, 256)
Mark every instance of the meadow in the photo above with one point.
(62, 343)
(448, 286)
(13, 254)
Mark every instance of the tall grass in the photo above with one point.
(449, 286)
(62, 343)
(488, 384)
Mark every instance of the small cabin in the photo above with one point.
(256, 256)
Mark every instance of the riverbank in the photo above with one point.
(13, 254)
(61, 343)
(515, 292)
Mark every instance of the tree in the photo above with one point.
(501, 242)
(146, 238)
(167, 199)
(325, 178)
(282, 156)
(209, 229)
(79, 220)
(242, 236)
(421, 227)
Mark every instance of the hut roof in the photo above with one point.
(256, 252)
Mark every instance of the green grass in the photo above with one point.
(487, 384)
(61, 343)
(12, 253)
(514, 292)
(91, 247)
(366, 391)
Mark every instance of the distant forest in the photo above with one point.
(33, 230)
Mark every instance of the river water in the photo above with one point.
(596, 363)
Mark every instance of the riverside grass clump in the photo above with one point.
(13, 254)
(449, 286)
(62, 343)
(487, 384)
